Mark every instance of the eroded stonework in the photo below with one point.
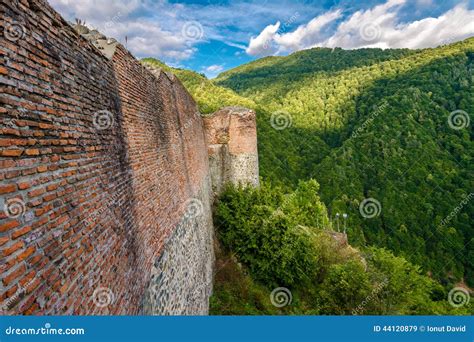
(181, 279)
(231, 134)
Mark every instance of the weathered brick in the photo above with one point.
(52, 187)
(7, 188)
(12, 152)
(5, 226)
(32, 152)
(36, 192)
(9, 278)
(31, 310)
(12, 174)
(13, 248)
(24, 185)
(26, 253)
(20, 232)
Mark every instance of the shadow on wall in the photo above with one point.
(102, 174)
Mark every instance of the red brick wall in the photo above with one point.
(95, 199)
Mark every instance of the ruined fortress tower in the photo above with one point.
(108, 172)
(232, 137)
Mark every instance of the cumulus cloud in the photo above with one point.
(275, 39)
(95, 11)
(154, 27)
(213, 70)
(132, 19)
(366, 28)
(307, 34)
(260, 45)
(146, 39)
(379, 26)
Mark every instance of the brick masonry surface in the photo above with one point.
(104, 183)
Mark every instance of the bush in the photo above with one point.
(265, 228)
(262, 226)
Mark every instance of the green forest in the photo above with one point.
(382, 136)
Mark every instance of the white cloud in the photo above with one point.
(262, 44)
(93, 10)
(214, 68)
(454, 25)
(274, 39)
(236, 45)
(366, 28)
(307, 34)
(379, 28)
(375, 27)
(170, 47)
(153, 27)
(131, 18)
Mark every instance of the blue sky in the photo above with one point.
(211, 36)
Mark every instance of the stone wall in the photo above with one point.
(231, 133)
(105, 183)
(179, 282)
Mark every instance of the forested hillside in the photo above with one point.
(209, 96)
(387, 135)
(376, 124)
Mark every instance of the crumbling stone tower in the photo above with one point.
(231, 133)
